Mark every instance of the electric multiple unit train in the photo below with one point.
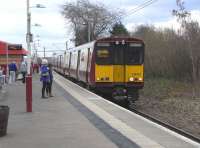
(113, 66)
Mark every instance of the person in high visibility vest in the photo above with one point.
(44, 76)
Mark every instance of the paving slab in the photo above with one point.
(54, 122)
(142, 131)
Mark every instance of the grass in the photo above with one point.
(161, 88)
(172, 102)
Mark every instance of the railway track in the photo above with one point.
(155, 120)
(164, 124)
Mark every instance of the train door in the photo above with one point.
(119, 63)
(78, 65)
(88, 60)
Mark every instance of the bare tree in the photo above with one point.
(89, 20)
(166, 54)
(181, 13)
(190, 31)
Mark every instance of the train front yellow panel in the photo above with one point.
(118, 73)
(134, 73)
(104, 73)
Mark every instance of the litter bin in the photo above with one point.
(4, 113)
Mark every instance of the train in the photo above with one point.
(113, 66)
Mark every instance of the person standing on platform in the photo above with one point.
(2, 78)
(44, 76)
(12, 72)
(49, 90)
(35, 68)
(23, 70)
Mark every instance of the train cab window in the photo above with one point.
(102, 44)
(135, 53)
(118, 55)
(103, 53)
(103, 56)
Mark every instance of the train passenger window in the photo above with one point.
(135, 54)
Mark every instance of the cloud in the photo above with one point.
(54, 29)
(195, 15)
(14, 22)
(171, 22)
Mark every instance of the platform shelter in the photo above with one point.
(11, 52)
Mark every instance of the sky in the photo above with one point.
(54, 31)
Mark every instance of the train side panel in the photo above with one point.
(60, 63)
(83, 65)
(73, 65)
(67, 63)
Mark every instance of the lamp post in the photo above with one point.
(28, 41)
(28, 37)
(7, 69)
(29, 76)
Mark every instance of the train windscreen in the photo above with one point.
(134, 54)
(111, 54)
(103, 54)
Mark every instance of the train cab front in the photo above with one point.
(119, 68)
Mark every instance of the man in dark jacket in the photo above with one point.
(12, 72)
(49, 90)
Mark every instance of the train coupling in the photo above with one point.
(119, 93)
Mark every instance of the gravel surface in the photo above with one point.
(174, 106)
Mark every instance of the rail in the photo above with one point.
(164, 124)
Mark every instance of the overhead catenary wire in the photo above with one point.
(139, 7)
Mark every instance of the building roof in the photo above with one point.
(3, 51)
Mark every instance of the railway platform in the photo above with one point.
(77, 118)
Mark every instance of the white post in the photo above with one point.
(66, 45)
(28, 38)
(89, 31)
(44, 52)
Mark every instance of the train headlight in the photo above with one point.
(123, 42)
(131, 79)
(140, 79)
(107, 78)
(98, 79)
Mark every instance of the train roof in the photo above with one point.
(86, 45)
(119, 38)
(107, 39)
